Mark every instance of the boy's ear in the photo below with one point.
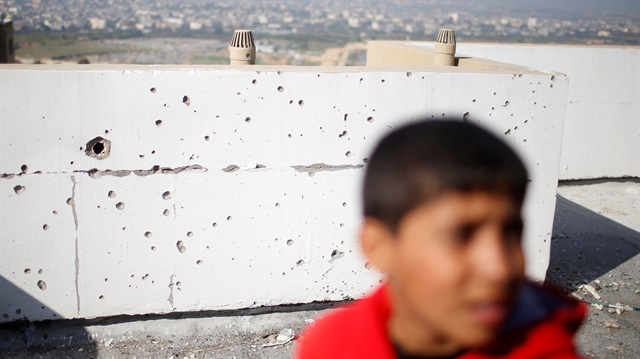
(376, 241)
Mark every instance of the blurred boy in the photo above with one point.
(442, 202)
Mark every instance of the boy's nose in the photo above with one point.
(494, 261)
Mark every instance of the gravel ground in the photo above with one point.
(595, 241)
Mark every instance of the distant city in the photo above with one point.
(326, 22)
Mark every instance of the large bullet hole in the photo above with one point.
(198, 262)
(181, 247)
(280, 89)
(301, 103)
(98, 148)
(367, 265)
(336, 254)
(40, 271)
(27, 270)
(247, 120)
(120, 206)
(153, 90)
(186, 100)
(147, 234)
(290, 242)
(166, 195)
(19, 189)
(42, 285)
(348, 154)
(153, 248)
(300, 262)
(24, 168)
(101, 297)
(189, 234)
(166, 212)
(111, 194)
(158, 123)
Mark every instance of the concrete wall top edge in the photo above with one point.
(430, 44)
(496, 68)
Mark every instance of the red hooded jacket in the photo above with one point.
(541, 325)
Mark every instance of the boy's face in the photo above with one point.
(454, 265)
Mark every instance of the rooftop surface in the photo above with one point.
(596, 241)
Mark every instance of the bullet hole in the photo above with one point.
(189, 234)
(207, 138)
(383, 80)
(158, 123)
(507, 132)
(344, 133)
(344, 204)
(166, 212)
(506, 103)
(101, 297)
(124, 228)
(153, 90)
(178, 283)
(231, 168)
(214, 224)
(98, 148)
(336, 254)
(299, 262)
(494, 93)
(465, 116)
(301, 103)
(341, 225)
(348, 154)
(45, 227)
(147, 234)
(493, 108)
(40, 271)
(280, 89)
(18, 311)
(19, 189)
(254, 81)
(367, 265)
(228, 218)
(289, 135)
(166, 195)
(120, 206)
(27, 270)
(24, 168)
(409, 74)
(198, 262)
(186, 100)
(247, 120)
(145, 276)
(181, 247)
(42, 285)
(551, 86)
(153, 248)
(553, 77)
(290, 242)
(290, 102)
(369, 119)
(474, 100)
(106, 279)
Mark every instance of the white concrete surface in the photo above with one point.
(602, 129)
(255, 200)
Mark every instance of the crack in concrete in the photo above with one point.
(321, 167)
(96, 173)
(170, 299)
(77, 259)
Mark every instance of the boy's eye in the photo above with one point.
(513, 230)
(463, 234)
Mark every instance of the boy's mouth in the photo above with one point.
(490, 313)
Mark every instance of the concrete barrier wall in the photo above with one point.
(225, 187)
(602, 129)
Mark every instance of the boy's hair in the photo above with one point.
(421, 161)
